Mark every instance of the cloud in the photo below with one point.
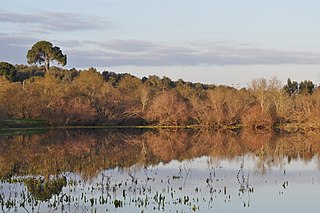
(41, 21)
(128, 45)
(142, 53)
(13, 49)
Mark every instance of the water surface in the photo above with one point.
(159, 171)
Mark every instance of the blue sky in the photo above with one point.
(210, 41)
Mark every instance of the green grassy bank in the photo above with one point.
(22, 126)
(21, 123)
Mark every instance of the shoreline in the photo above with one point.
(288, 128)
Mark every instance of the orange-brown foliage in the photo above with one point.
(168, 108)
(257, 119)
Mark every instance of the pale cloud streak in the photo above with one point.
(44, 21)
(13, 49)
(145, 53)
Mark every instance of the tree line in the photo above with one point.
(88, 97)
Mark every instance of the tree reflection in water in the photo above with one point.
(107, 169)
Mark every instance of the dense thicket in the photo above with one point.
(87, 97)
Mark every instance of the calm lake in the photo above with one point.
(159, 171)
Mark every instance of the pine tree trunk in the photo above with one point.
(47, 65)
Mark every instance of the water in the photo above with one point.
(159, 171)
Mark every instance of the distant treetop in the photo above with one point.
(43, 52)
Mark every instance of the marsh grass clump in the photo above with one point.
(42, 189)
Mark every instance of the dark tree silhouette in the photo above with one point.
(8, 70)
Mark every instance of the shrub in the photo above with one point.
(257, 119)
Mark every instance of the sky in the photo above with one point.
(227, 42)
